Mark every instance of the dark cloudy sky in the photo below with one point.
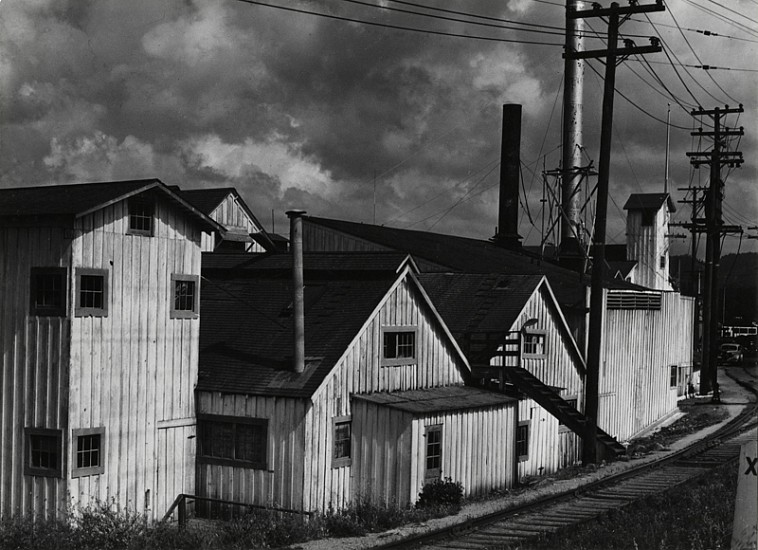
(353, 121)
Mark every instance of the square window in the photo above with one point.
(648, 216)
(233, 441)
(522, 441)
(88, 449)
(341, 434)
(141, 213)
(398, 346)
(534, 344)
(48, 292)
(92, 292)
(434, 451)
(43, 452)
(185, 298)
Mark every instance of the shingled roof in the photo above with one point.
(246, 342)
(77, 200)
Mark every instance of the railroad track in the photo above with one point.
(595, 499)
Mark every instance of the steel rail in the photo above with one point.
(686, 457)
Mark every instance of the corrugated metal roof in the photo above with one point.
(246, 334)
(436, 400)
(649, 201)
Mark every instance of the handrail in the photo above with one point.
(180, 502)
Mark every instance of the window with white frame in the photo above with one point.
(43, 452)
(534, 344)
(342, 440)
(185, 297)
(88, 451)
(91, 292)
(398, 345)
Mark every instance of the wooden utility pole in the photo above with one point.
(613, 55)
(714, 228)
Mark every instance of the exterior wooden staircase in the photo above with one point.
(549, 400)
(481, 348)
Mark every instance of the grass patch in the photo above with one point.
(101, 527)
(697, 416)
(694, 516)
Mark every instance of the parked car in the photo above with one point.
(730, 353)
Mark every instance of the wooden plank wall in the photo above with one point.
(281, 485)
(558, 368)
(136, 367)
(639, 348)
(359, 371)
(389, 449)
(544, 444)
(477, 449)
(382, 453)
(232, 216)
(646, 244)
(34, 368)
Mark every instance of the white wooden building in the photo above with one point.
(661, 337)
(99, 285)
(242, 232)
(380, 407)
(647, 240)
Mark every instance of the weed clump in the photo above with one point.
(441, 493)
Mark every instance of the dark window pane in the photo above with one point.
(91, 291)
(184, 295)
(342, 440)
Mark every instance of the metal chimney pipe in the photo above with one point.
(510, 172)
(296, 245)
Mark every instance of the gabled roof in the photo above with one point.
(479, 302)
(470, 303)
(463, 254)
(622, 268)
(649, 201)
(80, 199)
(246, 329)
(207, 200)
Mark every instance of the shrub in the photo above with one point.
(441, 493)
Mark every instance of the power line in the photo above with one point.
(467, 14)
(697, 57)
(399, 27)
(723, 7)
(727, 20)
(704, 32)
(454, 19)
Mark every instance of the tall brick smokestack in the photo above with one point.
(510, 170)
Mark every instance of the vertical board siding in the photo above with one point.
(281, 484)
(389, 451)
(232, 216)
(135, 367)
(34, 368)
(559, 368)
(639, 348)
(359, 371)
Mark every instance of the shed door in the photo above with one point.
(176, 466)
